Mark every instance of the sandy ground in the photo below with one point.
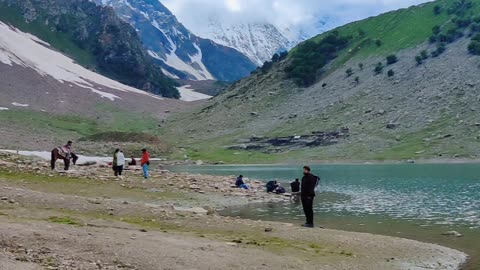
(87, 219)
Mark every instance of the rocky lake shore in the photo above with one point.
(88, 219)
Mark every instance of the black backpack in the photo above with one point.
(317, 180)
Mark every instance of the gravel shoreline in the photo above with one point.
(189, 204)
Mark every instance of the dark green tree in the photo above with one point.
(419, 60)
(392, 59)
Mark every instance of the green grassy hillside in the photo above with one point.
(403, 84)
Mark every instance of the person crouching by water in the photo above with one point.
(118, 162)
(145, 162)
(240, 183)
(271, 186)
(307, 194)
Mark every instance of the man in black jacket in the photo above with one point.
(309, 182)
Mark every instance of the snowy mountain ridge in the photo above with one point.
(181, 54)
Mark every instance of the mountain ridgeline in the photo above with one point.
(181, 54)
(401, 85)
(92, 35)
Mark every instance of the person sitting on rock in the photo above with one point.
(271, 186)
(240, 183)
(133, 162)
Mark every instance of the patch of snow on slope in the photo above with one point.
(187, 94)
(174, 61)
(3, 109)
(197, 58)
(19, 104)
(26, 50)
(169, 74)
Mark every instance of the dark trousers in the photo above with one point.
(307, 203)
(118, 170)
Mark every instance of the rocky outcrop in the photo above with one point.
(284, 144)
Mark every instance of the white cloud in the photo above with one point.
(296, 14)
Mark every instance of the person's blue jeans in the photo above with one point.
(243, 186)
(145, 171)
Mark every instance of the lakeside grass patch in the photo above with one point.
(66, 221)
(86, 188)
(43, 121)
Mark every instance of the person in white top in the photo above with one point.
(118, 162)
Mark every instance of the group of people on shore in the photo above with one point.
(66, 153)
(305, 189)
(119, 162)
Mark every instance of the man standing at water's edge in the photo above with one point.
(309, 182)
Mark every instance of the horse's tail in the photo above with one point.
(54, 159)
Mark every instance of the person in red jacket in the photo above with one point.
(145, 162)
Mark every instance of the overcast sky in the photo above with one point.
(296, 14)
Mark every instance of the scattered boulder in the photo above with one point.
(453, 233)
(254, 113)
(392, 125)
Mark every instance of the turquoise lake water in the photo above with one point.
(417, 201)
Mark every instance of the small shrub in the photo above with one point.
(362, 33)
(440, 49)
(419, 60)
(436, 30)
(461, 22)
(349, 72)
(437, 10)
(433, 39)
(360, 65)
(475, 27)
(424, 54)
(378, 68)
(390, 73)
(392, 59)
(378, 42)
(476, 38)
(357, 80)
(474, 47)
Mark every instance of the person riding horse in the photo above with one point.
(66, 153)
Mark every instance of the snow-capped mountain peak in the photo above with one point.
(258, 41)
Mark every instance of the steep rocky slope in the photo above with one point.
(94, 36)
(410, 108)
(181, 54)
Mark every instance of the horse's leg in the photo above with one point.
(75, 158)
(67, 163)
(53, 160)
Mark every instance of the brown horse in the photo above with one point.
(66, 158)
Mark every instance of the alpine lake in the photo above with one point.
(415, 201)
